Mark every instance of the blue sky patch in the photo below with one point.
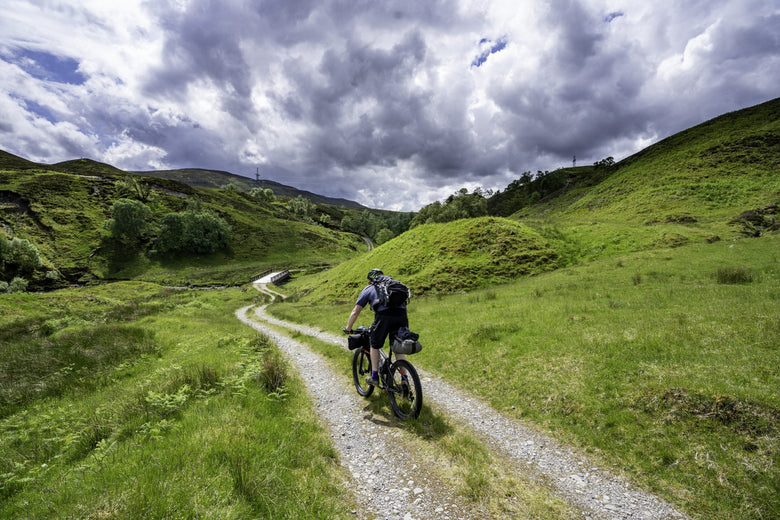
(40, 110)
(488, 47)
(49, 67)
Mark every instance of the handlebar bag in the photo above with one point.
(356, 341)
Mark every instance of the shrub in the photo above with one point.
(21, 253)
(18, 284)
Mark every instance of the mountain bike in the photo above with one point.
(398, 378)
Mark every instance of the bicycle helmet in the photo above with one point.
(373, 273)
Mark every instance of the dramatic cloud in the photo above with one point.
(391, 104)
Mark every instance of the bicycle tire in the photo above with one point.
(406, 397)
(361, 367)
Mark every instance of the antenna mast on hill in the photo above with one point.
(574, 162)
(257, 177)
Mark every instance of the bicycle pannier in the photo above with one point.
(406, 346)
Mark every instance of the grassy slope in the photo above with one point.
(686, 188)
(441, 258)
(647, 361)
(63, 213)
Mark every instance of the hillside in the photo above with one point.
(707, 174)
(440, 258)
(62, 209)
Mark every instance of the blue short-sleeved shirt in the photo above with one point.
(369, 295)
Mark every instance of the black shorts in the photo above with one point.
(386, 323)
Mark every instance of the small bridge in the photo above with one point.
(271, 276)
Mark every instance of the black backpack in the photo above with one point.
(392, 293)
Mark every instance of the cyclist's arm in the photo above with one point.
(353, 317)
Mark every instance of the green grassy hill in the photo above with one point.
(61, 210)
(718, 180)
(440, 258)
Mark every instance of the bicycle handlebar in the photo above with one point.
(361, 330)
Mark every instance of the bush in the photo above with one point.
(3, 286)
(18, 284)
(21, 253)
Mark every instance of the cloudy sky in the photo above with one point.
(391, 104)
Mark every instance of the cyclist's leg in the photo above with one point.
(379, 331)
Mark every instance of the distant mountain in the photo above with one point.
(217, 178)
(197, 177)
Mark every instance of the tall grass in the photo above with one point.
(147, 403)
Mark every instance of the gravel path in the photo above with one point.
(400, 491)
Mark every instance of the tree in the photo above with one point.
(383, 236)
(129, 220)
(192, 232)
(132, 187)
(302, 206)
(457, 206)
(266, 194)
(604, 164)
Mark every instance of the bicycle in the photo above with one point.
(398, 378)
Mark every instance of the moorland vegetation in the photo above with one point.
(630, 308)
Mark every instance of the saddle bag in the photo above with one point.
(406, 342)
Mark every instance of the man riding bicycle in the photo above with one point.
(387, 320)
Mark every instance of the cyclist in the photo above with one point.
(387, 321)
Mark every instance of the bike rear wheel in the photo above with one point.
(361, 367)
(405, 390)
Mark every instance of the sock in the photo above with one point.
(374, 375)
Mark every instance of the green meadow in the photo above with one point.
(130, 400)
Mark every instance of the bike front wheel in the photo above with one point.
(405, 390)
(361, 367)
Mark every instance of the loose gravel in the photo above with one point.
(396, 491)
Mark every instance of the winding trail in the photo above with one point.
(397, 488)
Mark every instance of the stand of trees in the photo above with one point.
(457, 206)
